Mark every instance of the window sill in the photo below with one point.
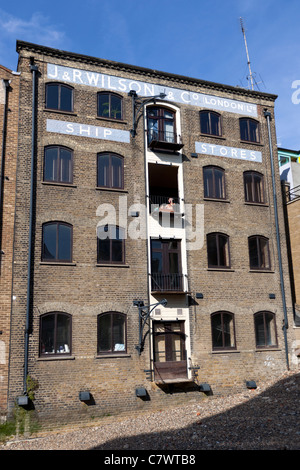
(215, 199)
(220, 137)
(56, 358)
(251, 143)
(226, 351)
(114, 190)
(54, 183)
(261, 204)
(104, 265)
(112, 356)
(267, 349)
(56, 263)
(261, 271)
(58, 111)
(221, 269)
(101, 118)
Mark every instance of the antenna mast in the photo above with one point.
(248, 59)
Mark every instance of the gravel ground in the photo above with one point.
(267, 418)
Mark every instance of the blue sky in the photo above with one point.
(196, 38)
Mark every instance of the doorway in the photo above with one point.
(169, 351)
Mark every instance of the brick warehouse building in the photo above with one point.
(146, 257)
(9, 113)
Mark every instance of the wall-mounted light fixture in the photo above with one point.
(144, 314)
(140, 102)
(251, 384)
(141, 392)
(204, 387)
(23, 400)
(84, 396)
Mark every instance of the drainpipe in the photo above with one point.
(34, 70)
(267, 115)
(6, 84)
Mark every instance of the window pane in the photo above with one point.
(204, 123)
(51, 166)
(219, 184)
(159, 343)
(228, 330)
(103, 170)
(264, 253)
(168, 131)
(104, 250)
(49, 242)
(215, 124)
(156, 262)
(118, 332)
(253, 131)
(117, 250)
(63, 344)
(216, 324)
(173, 263)
(47, 334)
(244, 129)
(64, 242)
(257, 188)
(248, 187)
(223, 251)
(116, 169)
(116, 107)
(270, 329)
(103, 105)
(52, 96)
(253, 253)
(104, 333)
(65, 173)
(212, 250)
(66, 94)
(208, 182)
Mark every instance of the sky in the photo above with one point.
(196, 38)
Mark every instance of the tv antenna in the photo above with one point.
(248, 59)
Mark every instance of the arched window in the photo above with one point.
(57, 242)
(223, 331)
(111, 244)
(259, 254)
(58, 164)
(218, 250)
(265, 330)
(161, 129)
(59, 97)
(249, 130)
(210, 123)
(214, 182)
(111, 333)
(254, 187)
(110, 170)
(55, 334)
(110, 105)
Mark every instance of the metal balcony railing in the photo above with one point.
(164, 204)
(164, 140)
(167, 282)
(293, 193)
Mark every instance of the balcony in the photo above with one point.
(164, 140)
(164, 204)
(172, 283)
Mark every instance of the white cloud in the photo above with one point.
(37, 29)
